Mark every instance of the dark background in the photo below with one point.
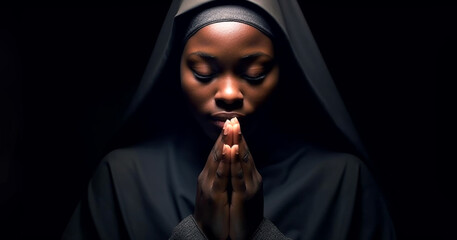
(67, 73)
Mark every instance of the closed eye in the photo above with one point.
(203, 77)
(255, 67)
(257, 78)
(257, 73)
(203, 66)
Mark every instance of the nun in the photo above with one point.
(236, 131)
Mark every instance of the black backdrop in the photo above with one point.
(65, 72)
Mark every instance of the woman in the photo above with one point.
(248, 140)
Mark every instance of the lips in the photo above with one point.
(219, 118)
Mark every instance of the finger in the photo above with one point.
(223, 170)
(236, 131)
(247, 164)
(236, 171)
(213, 159)
(245, 154)
(227, 135)
(234, 120)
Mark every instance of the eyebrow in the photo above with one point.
(203, 55)
(255, 55)
(207, 56)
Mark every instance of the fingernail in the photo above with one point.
(226, 127)
(239, 129)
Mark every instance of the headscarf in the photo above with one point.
(161, 77)
(227, 13)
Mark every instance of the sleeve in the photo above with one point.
(188, 229)
(267, 230)
(97, 216)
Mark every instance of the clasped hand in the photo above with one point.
(229, 201)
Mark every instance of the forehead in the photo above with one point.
(229, 37)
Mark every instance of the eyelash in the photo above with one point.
(254, 79)
(208, 78)
(203, 78)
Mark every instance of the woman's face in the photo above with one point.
(228, 70)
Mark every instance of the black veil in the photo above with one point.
(316, 103)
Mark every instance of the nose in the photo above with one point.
(229, 96)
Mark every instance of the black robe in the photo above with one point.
(316, 186)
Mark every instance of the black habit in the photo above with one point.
(316, 174)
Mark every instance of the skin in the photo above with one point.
(228, 68)
(240, 61)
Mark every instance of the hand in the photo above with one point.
(229, 194)
(212, 202)
(246, 203)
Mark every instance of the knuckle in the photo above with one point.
(259, 179)
(200, 178)
(251, 192)
(206, 189)
(242, 186)
(239, 174)
(212, 194)
(212, 190)
(214, 186)
(245, 157)
(220, 174)
(253, 189)
(223, 156)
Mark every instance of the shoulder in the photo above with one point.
(150, 152)
(131, 166)
(334, 165)
(129, 169)
(324, 158)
